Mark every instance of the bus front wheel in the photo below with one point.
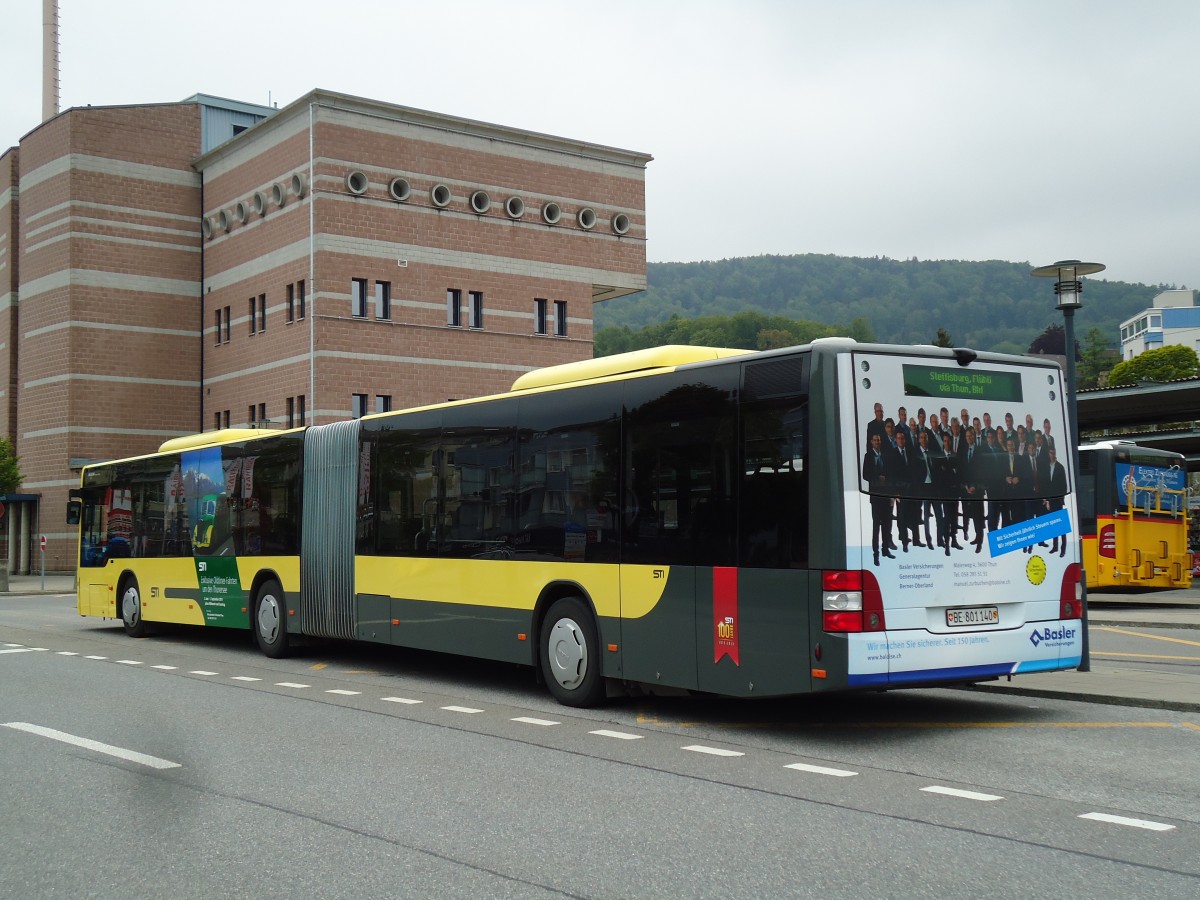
(270, 620)
(570, 654)
(131, 609)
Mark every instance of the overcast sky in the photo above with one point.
(968, 129)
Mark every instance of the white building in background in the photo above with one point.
(1173, 319)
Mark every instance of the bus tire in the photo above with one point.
(270, 620)
(570, 654)
(131, 609)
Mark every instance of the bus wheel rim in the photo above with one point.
(268, 618)
(131, 609)
(567, 653)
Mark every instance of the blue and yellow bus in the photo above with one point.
(681, 518)
(1133, 507)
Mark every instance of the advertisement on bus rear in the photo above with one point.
(960, 503)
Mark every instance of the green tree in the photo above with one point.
(943, 339)
(10, 468)
(1094, 357)
(1162, 364)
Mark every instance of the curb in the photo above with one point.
(1102, 699)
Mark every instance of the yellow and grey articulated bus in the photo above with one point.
(682, 518)
(1134, 510)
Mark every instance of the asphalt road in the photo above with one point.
(188, 765)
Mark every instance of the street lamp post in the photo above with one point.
(1068, 287)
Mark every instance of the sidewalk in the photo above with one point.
(1177, 690)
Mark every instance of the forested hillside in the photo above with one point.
(990, 305)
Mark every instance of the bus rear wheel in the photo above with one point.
(570, 654)
(131, 609)
(270, 620)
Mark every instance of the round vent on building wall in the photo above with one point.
(206, 228)
(225, 220)
(356, 182)
(400, 189)
(440, 195)
(481, 202)
(279, 193)
(299, 185)
(620, 223)
(515, 207)
(241, 211)
(259, 201)
(586, 218)
(551, 213)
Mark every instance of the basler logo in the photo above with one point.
(1052, 636)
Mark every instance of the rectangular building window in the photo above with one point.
(217, 420)
(250, 416)
(225, 416)
(262, 414)
(454, 307)
(253, 315)
(290, 410)
(359, 405)
(300, 413)
(383, 403)
(539, 316)
(262, 312)
(476, 312)
(291, 303)
(228, 325)
(300, 298)
(560, 318)
(219, 324)
(383, 299)
(358, 297)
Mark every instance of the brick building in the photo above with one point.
(172, 268)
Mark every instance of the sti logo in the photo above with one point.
(1061, 633)
(202, 566)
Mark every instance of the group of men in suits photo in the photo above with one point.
(960, 471)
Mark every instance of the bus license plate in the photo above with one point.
(973, 615)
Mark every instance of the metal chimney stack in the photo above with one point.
(49, 59)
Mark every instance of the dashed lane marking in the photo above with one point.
(530, 720)
(18, 650)
(129, 662)
(821, 770)
(166, 668)
(619, 735)
(343, 693)
(462, 709)
(1132, 823)
(966, 795)
(405, 700)
(291, 684)
(202, 672)
(143, 759)
(711, 751)
(244, 678)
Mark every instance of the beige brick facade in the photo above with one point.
(159, 287)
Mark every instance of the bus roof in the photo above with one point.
(665, 357)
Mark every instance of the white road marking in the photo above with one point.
(821, 770)
(166, 668)
(244, 678)
(130, 662)
(201, 672)
(290, 684)
(462, 709)
(405, 700)
(344, 693)
(18, 650)
(67, 653)
(711, 751)
(619, 735)
(120, 752)
(955, 792)
(530, 720)
(95, 657)
(1132, 823)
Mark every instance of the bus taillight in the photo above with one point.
(851, 601)
(1070, 596)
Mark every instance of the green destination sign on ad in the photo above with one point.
(962, 384)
